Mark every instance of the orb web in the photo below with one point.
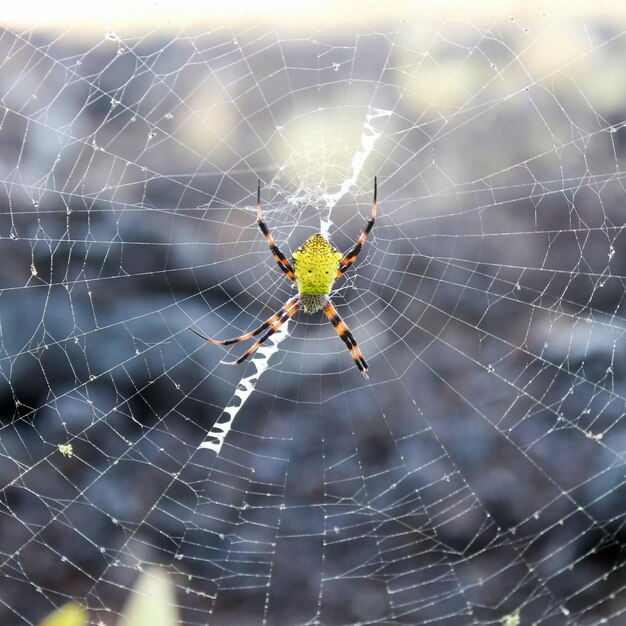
(477, 477)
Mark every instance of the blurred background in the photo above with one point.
(478, 473)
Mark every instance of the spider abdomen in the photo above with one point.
(315, 265)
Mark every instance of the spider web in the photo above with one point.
(477, 477)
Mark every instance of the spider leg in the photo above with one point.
(350, 258)
(283, 315)
(269, 322)
(346, 336)
(281, 259)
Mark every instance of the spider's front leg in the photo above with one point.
(279, 319)
(273, 323)
(267, 324)
(281, 259)
(346, 336)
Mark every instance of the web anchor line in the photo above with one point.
(219, 431)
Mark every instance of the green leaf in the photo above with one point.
(511, 620)
(70, 614)
(152, 602)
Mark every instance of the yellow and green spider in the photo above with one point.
(315, 267)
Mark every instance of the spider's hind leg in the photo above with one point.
(281, 259)
(350, 258)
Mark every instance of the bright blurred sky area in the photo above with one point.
(142, 15)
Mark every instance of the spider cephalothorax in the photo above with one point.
(316, 266)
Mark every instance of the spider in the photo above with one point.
(315, 267)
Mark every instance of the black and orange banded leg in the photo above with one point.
(350, 258)
(269, 322)
(281, 259)
(344, 332)
(279, 319)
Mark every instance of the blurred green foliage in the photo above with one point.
(152, 602)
